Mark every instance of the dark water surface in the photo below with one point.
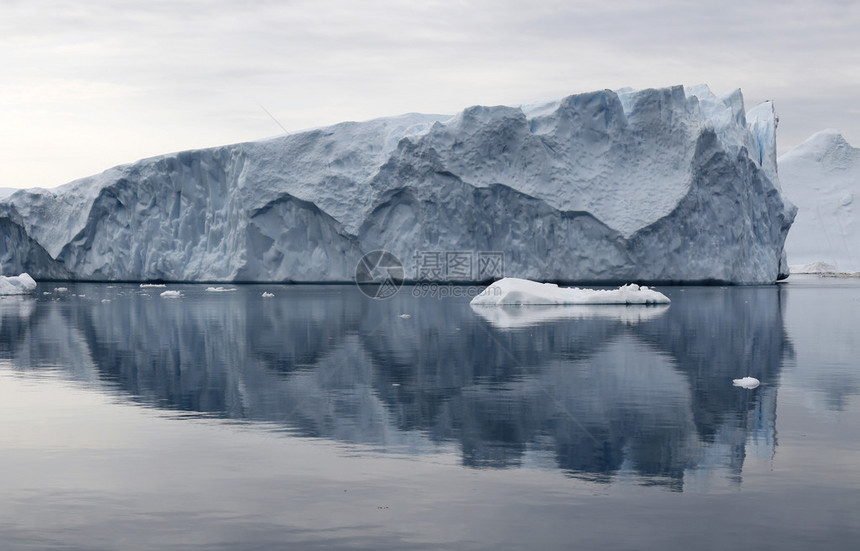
(321, 419)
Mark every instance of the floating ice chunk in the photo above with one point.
(514, 291)
(404, 316)
(746, 382)
(17, 285)
(61, 289)
(268, 295)
(105, 300)
(146, 285)
(171, 294)
(219, 289)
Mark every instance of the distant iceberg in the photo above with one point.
(813, 268)
(822, 176)
(514, 291)
(662, 185)
(17, 285)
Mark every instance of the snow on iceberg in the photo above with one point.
(674, 184)
(17, 285)
(822, 177)
(515, 291)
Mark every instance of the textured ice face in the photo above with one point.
(822, 176)
(669, 184)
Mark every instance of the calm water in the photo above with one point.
(321, 419)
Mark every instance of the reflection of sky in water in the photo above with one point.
(324, 416)
(822, 318)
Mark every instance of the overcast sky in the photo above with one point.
(87, 85)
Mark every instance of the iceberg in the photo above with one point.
(660, 185)
(813, 268)
(822, 176)
(514, 291)
(17, 285)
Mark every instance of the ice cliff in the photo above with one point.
(673, 184)
(822, 176)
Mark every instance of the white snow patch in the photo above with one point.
(746, 382)
(515, 291)
(17, 285)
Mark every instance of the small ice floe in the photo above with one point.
(171, 294)
(268, 295)
(515, 291)
(219, 289)
(404, 316)
(61, 289)
(17, 285)
(46, 292)
(746, 382)
(105, 300)
(147, 285)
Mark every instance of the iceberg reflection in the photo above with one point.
(599, 393)
(517, 317)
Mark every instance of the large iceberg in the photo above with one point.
(822, 176)
(660, 185)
